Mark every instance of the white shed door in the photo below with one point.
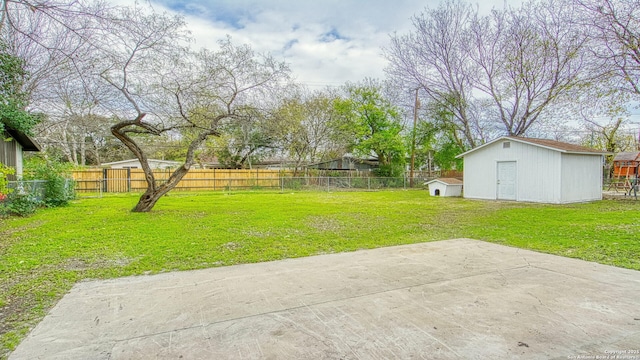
(507, 180)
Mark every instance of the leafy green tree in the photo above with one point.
(425, 143)
(445, 155)
(13, 99)
(374, 125)
(448, 137)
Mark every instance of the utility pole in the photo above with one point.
(413, 139)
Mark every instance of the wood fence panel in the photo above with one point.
(88, 180)
(117, 180)
(124, 180)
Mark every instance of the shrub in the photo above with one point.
(4, 182)
(59, 188)
(21, 205)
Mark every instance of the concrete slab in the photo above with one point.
(455, 299)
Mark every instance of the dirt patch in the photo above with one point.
(257, 233)
(232, 246)
(75, 264)
(324, 224)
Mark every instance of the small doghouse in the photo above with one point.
(445, 187)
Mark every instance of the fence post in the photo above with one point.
(368, 182)
(104, 179)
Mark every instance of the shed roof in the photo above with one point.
(27, 143)
(544, 143)
(627, 156)
(446, 181)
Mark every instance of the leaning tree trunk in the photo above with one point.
(150, 197)
(154, 192)
(147, 202)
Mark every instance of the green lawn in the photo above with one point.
(42, 256)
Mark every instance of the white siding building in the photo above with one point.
(135, 164)
(534, 170)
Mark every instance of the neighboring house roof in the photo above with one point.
(627, 156)
(446, 181)
(27, 143)
(544, 143)
(165, 162)
(370, 161)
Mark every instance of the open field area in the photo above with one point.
(42, 256)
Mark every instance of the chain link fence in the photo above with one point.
(96, 188)
(342, 183)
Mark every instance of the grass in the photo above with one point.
(42, 256)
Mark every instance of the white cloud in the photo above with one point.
(326, 42)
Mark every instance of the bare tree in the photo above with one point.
(48, 34)
(305, 127)
(615, 27)
(492, 73)
(529, 58)
(245, 141)
(159, 86)
(436, 59)
(53, 39)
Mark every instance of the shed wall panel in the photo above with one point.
(479, 176)
(581, 178)
(540, 174)
(11, 155)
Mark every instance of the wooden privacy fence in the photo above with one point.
(133, 180)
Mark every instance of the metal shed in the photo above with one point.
(445, 187)
(533, 170)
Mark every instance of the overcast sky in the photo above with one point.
(326, 42)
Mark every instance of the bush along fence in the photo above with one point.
(22, 198)
(97, 181)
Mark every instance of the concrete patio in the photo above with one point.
(454, 299)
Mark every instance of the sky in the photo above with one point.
(325, 42)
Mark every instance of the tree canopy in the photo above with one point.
(13, 99)
(373, 125)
